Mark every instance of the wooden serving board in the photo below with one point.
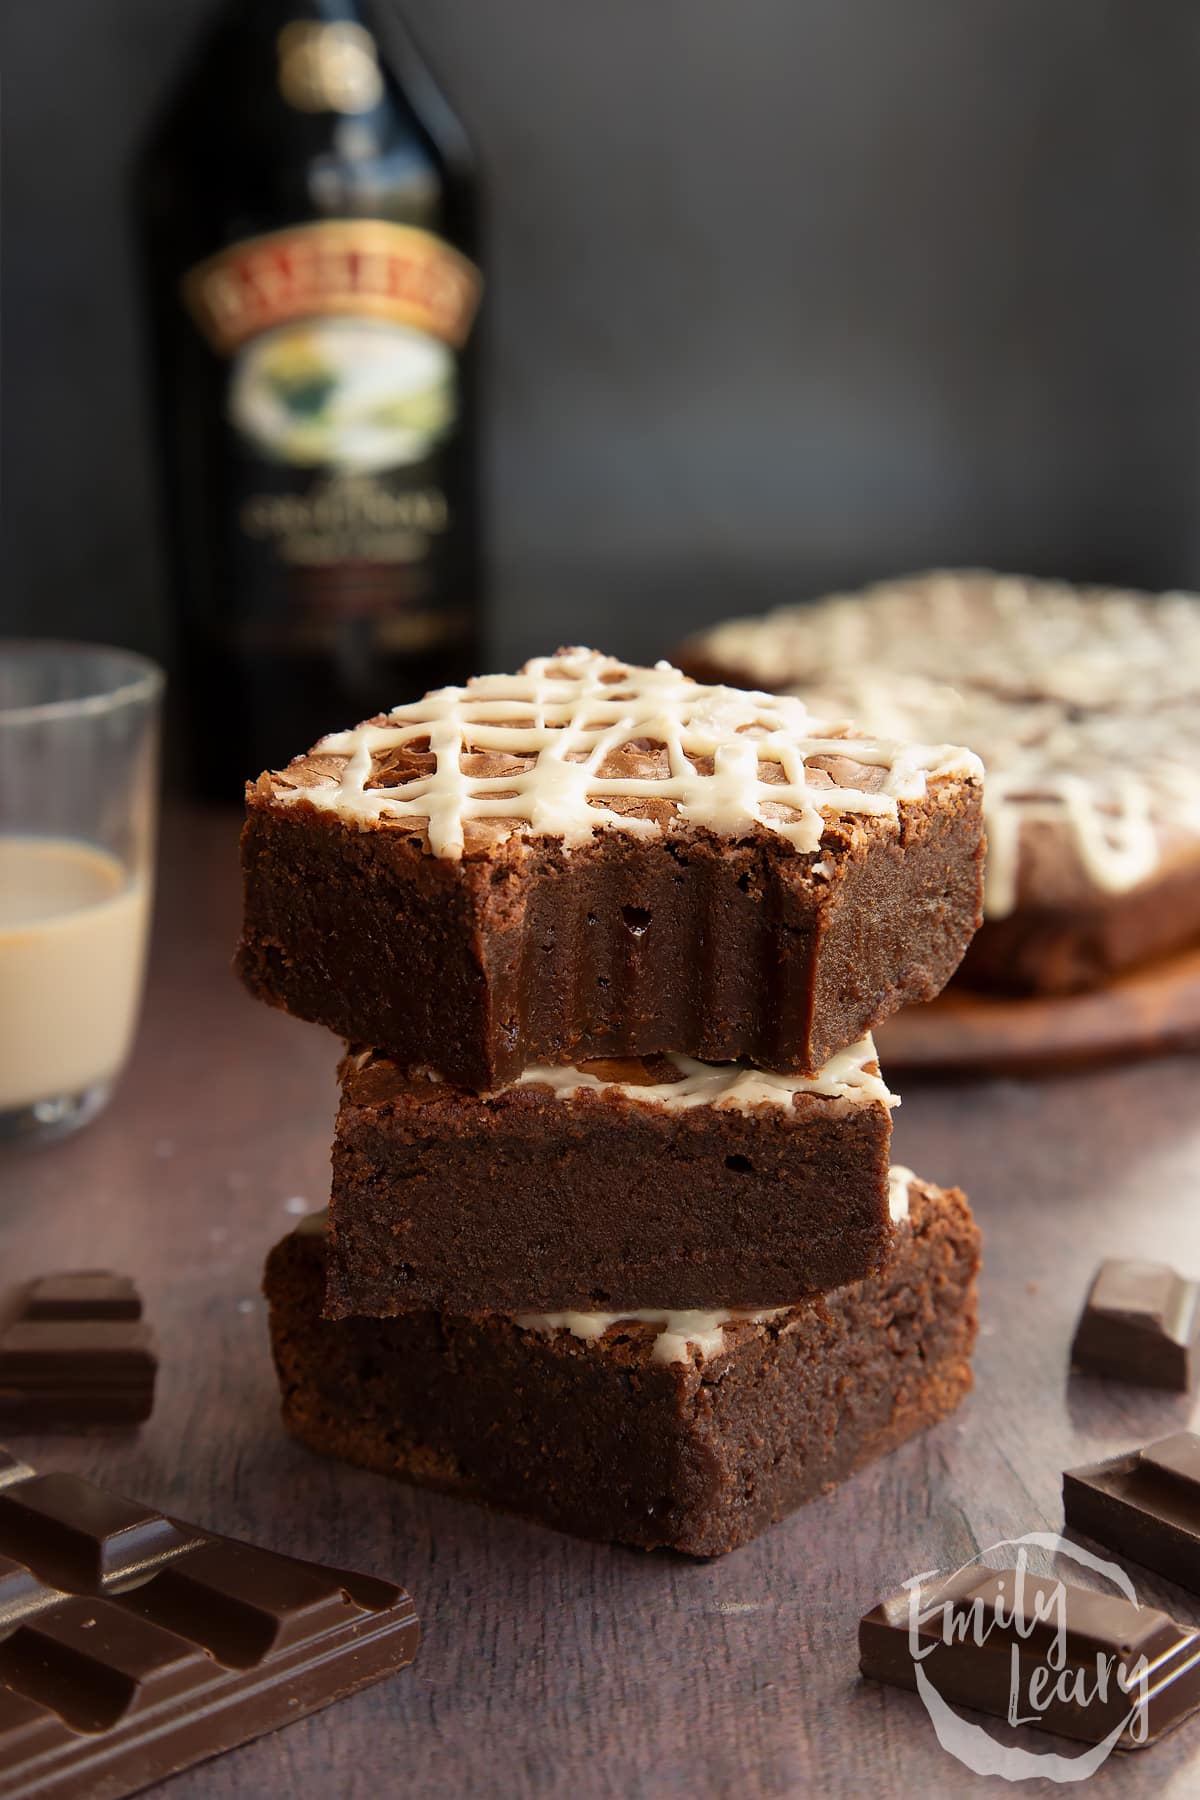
(1150, 1010)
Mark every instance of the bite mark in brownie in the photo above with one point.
(598, 1436)
(591, 860)
(657, 1182)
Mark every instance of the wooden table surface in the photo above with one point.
(552, 1667)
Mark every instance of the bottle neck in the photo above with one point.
(327, 58)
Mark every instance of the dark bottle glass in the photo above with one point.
(310, 213)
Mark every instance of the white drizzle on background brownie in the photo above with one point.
(853, 1074)
(562, 718)
(1084, 704)
(900, 1180)
(680, 1333)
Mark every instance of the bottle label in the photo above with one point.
(347, 268)
(342, 340)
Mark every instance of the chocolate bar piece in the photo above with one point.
(686, 1430)
(75, 1353)
(592, 860)
(653, 1182)
(1145, 1505)
(133, 1645)
(1036, 1650)
(1140, 1323)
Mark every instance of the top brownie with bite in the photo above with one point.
(588, 859)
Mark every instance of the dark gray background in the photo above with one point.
(784, 293)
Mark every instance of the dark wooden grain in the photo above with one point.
(549, 1666)
(1146, 1011)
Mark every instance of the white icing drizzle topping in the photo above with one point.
(558, 727)
(1083, 703)
(899, 1181)
(687, 1330)
(679, 1333)
(851, 1074)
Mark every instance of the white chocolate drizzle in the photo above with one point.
(688, 1330)
(678, 1333)
(900, 1180)
(551, 737)
(1084, 704)
(851, 1074)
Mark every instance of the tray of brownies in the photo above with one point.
(1084, 705)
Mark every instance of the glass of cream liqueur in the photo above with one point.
(79, 731)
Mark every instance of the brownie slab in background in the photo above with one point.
(1084, 704)
(1140, 1323)
(692, 1432)
(989, 1639)
(135, 1645)
(590, 860)
(1145, 1505)
(658, 1182)
(75, 1354)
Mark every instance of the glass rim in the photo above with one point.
(145, 682)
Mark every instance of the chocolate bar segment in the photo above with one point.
(76, 1354)
(1145, 1505)
(1141, 1324)
(590, 860)
(654, 1182)
(82, 1294)
(1033, 1649)
(135, 1645)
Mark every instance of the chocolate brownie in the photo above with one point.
(591, 860)
(1085, 707)
(690, 1431)
(653, 1182)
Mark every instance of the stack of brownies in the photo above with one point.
(613, 1239)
